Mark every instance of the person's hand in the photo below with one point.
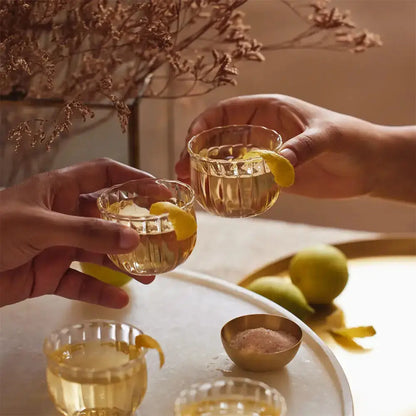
(47, 222)
(335, 155)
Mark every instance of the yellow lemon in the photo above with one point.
(320, 272)
(283, 292)
(146, 341)
(282, 170)
(183, 222)
(105, 274)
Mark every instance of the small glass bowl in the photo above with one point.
(230, 397)
(159, 250)
(224, 183)
(94, 368)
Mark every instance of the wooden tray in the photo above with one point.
(380, 292)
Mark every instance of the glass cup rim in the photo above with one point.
(144, 218)
(227, 127)
(244, 380)
(123, 367)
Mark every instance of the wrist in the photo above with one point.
(395, 175)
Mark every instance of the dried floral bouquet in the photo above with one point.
(74, 53)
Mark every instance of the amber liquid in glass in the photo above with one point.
(229, 406)
(158, 250)
(233, 190)
(97, 393)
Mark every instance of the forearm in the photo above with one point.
(396, 170)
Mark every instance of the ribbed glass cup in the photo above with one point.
(224, 183)
(159, 250)
(95, 369)
(230, 397)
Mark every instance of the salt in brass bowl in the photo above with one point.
(254, 361)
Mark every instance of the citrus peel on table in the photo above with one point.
(354, 332)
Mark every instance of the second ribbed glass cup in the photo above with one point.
(230, 397)
(225, 184)
(95, 369)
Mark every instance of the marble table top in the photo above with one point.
(231, 248)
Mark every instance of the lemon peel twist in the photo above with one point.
(354, 332)
(146, 341)
(183, 222)
(281, 169)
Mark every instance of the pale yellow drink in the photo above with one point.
(238, 188)
(160, 249)
(231, 396)
(230, 406)
(96, 368)
(225, 183)
(99, 391)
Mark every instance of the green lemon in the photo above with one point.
(283, 292)
(320, 272)
(105, 274)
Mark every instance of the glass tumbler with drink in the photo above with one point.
(230, 397)
(236, 170)
(95, 368)
(161, 211)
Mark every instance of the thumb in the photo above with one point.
(305, 146)
(92, 234)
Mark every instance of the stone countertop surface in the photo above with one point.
(231, 248)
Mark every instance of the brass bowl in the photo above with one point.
(260, 361)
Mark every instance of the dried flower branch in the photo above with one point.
(82, 52)
(328, 28)
(102, 50)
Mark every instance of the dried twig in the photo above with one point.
(328, 28)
